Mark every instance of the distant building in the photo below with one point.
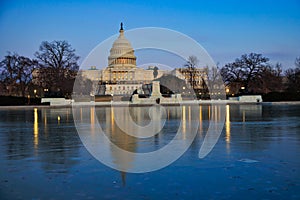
(123, 77)
(93, 74)
(197, 77)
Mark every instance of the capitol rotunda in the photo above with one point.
(122, 76)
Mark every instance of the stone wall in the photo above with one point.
(250, 98)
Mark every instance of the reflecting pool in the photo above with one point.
(256, 155)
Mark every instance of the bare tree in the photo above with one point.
(8, 72)
(191, 64)
(231, 73)
(16, 73)
(268, 80)
(214, 82)
(293, 77)
(58, 66)
(297, 62)
(82, 85)
(244, 70)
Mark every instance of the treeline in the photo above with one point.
(253, 74)
(50, 73)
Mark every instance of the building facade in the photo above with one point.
(123, 77)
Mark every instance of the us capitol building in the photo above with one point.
(123, 77)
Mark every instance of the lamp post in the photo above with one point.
(243, 89)
(45, 91)
(28, 97)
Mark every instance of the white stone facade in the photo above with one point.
(121, 89)
(122, 76)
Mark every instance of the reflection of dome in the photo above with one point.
(121, 53)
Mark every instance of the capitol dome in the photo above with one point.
(121, 53)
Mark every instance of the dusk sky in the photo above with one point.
(226, 29)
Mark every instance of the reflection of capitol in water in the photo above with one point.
(176, 119)
(40, 147)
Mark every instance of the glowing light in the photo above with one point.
(200, 114)
(200, 120)
(227, 127)
(92, 113)
(35, 128)
(183, 121)
(112, 114)
(45, 119)
(215, 109)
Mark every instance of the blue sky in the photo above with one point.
(226, 29)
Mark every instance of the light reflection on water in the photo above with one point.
(119, 138)
(227, 128)
(38, 150)
(106, 119)
(36, 129)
